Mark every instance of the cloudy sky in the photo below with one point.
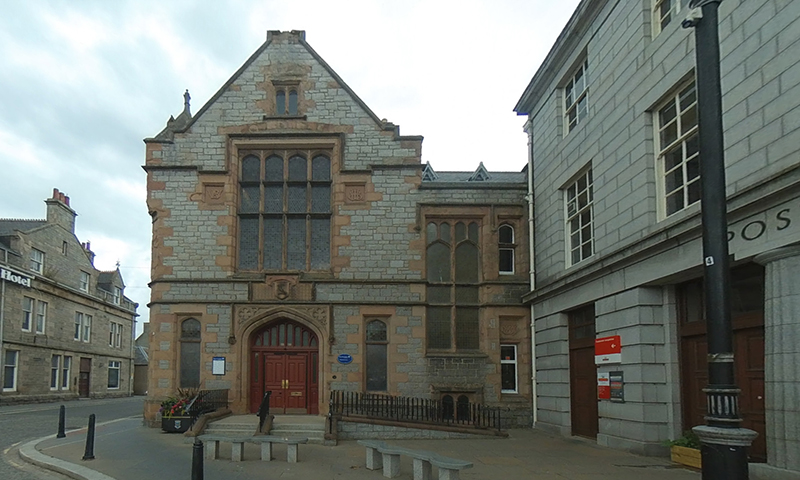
(83, 82)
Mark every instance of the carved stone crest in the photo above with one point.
(355, 193)
(213, 193)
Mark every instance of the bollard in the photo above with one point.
(62, 413)
(197, 459)
(88, 454)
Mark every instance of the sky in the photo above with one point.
(82, 83)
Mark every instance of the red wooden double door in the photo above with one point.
(284, 359)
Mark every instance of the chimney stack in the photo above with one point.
(59, 212)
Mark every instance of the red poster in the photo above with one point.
(607, 350)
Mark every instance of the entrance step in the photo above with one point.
(309, 426)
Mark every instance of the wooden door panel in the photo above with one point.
(749, 354)
(583, 392)
(256, 381)
(297, 387)
(274, 371)
(694, 365)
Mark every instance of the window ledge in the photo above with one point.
(283, 117)
(456, 355)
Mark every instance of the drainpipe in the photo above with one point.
(532, 255)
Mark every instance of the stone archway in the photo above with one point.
(284, 358)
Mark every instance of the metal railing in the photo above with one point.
(207, 401)
(447, 412)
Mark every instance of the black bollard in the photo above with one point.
(88, 454)
(62, 413)
(197, 459)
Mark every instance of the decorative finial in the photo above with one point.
(186, 98)
(118, 264)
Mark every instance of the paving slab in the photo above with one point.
(127, 450)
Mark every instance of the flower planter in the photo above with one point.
(175, 424)
(686, 456)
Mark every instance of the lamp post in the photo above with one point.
(724, 442)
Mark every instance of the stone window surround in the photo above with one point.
(34, 315)
(664, 11)
(115, 335)
(380, 342)
(83, 327)
(85, 279)
(37, 260)
(332, 145)
(452, 283)
(287, 88)
(576, 93)
(514, 362)
(114, 365)
(585, 237)
(13, 367)
(682, 141)
(505, 247)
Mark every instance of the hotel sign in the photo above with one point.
(14, 277)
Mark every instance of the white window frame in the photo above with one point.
(673, 7)
(682, 142)
(114, 365)
(507, 247)
(83, 327)
(55, 371)
(576, 91)
(115, 335)
(66, 372)
(41, 317)
(28, 307)
(510, 362)
(117, 295)
(87, 328)
(15, 370)
(574, 211)
(37, 260)
(85, 279)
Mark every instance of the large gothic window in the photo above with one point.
(285, 210)
(452, 265)
(190, 353)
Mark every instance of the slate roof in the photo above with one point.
(9, 225)
(479, 176)
(140, 356)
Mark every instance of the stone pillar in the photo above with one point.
(782, 356)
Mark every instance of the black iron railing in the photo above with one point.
(207, 401)
(263, 410)
(415, 410)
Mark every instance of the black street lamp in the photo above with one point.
(724, 442)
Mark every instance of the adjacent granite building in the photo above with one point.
(617, 236)
(66, 328)
(300, 246)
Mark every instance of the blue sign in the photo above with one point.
(345, 358)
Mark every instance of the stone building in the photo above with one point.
(300, 242)
(617, 235)
(66, 328)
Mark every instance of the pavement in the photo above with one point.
(126, 450)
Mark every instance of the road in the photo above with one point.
(21, 423)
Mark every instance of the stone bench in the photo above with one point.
(237, 446)
(382, 455)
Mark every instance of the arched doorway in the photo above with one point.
(284, 359)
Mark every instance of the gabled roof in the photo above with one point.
(182, 124)
(107, 279)
(9, 225)
(140, 356)
(480, 175)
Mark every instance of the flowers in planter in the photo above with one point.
(177, 406)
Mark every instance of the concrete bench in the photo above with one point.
(211, 447)
(380, 454)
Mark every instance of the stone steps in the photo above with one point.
(308, 426)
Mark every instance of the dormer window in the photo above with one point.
(286, 100)
(117, 295)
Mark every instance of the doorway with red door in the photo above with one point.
(284, 359)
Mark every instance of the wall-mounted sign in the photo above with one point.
(607, 350)
(603, 388)
(345, 358)
(218, 365)
(617, 386)
(15, 277)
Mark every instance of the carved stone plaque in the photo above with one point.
(214, 193)
(355, 193)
